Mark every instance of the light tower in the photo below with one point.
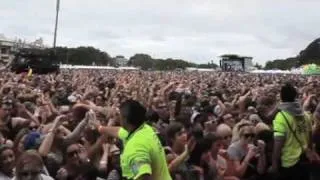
(56, 24)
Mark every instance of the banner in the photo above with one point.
(311, 69)
(29, 73)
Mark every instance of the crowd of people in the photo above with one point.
(83, 125)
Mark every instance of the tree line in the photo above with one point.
(81, 56)
(92, 56)
(310, 55)
(146, 62)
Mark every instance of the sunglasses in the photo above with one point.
(249, 135)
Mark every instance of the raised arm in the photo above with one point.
(109, 131)
(46, 145)
(112, 131)
(241, 167)
(103, 165)
(50, 104)
(242, 101)
(76, 133)
(306, 103)
(176, 162)
(27, 113)
(261, 167)
(95, 108)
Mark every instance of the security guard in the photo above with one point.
(143, 156)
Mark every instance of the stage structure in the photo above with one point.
(232, 62)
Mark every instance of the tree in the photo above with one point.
(146, 62)
(90, 55)
(311, 54)
(143, 61)
(81, 56)
(282, 64)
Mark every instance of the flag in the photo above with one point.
(29, 73)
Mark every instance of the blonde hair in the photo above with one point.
(29, 157)
(245, 127)
(261, 127)
(239, 128)
(222, 128)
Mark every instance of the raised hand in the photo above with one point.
(252, 152)
(59, 121)
(261, 145)
(191, 145)
(62, 174)
(92, 119)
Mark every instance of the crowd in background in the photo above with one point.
(212, 125)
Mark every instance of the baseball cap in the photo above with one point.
(33, 140)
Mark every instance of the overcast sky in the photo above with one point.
(194, 30)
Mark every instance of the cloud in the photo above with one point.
(197, 31)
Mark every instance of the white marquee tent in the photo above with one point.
(67, 66)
